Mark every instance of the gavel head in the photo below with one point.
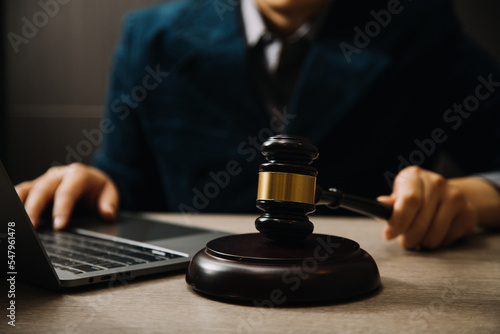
(287, 187)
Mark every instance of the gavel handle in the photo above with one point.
(334, 198)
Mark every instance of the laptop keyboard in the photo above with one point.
(80, 254)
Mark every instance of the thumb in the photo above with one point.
(388, 233)
(108, 201)
(389, 199)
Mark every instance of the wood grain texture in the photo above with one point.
(456, 290)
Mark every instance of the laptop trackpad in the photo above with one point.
(134, 227)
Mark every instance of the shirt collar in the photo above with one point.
(254, 25)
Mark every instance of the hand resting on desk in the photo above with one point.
(431, 211)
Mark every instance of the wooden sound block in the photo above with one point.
(252, 268)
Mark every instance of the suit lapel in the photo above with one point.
(329, 86)
(218, 67)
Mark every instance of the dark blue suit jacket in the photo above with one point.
(184, 120)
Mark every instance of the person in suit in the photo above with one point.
(381, 88)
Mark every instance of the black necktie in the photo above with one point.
(276, 89)
(289, 67)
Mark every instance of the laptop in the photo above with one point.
(91, 251)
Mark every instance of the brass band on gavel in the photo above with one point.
(287, 187)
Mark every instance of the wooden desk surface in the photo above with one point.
(450, 291)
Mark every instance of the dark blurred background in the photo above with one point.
(54, 84)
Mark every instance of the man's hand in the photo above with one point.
(429, 211)
(65, 186)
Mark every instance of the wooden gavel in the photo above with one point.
(287, 191)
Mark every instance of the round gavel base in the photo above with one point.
(252, 268)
